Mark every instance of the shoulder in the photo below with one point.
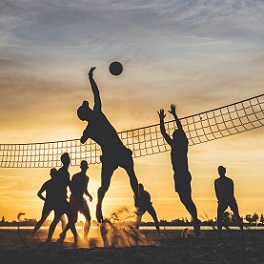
(76, 176)
(216, 182)
(97, 112)
(61, 170)
(147, 195)
(45, 184)
(229, 179)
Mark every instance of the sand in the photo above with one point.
(148, 248)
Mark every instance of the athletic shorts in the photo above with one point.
(122, 158)
(61, 208)
(182, 181)
(224, 205)
(81, 207)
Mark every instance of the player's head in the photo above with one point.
(221, 170)
(84, 165)
(83, 112)
(65, 158)
(177, 135)
(140, 187)
(53, 173)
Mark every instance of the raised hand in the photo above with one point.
(161, 114)
(90, 74)
(173, 109)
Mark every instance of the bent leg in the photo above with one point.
(186, 199)
(45, 213)
(63, 222)
(139, 214)
(129, 168)
(220, 211)
(53, 225)
(106, 174)
(234, 208)
(67, 226)
(70, 225)
(152, 212)
(86, 212)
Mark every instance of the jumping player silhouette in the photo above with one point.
(224, 190)
(179, 157)
(114, 153)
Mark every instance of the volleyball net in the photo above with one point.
(202, 127)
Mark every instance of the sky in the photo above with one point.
(199, 55)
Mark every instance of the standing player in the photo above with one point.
(224, 190)
(146, 205)
(62, 206)
(114, 153)
(179, 157)
(79, 187)
(51, 191)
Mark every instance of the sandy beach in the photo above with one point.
(142, 247)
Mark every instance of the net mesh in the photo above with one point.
(202, 127)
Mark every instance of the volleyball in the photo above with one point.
(115, 68)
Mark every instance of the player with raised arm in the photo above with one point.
(179, 158)
(114, 153)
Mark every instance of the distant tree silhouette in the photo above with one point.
(261, 219)
(248, 218)
(255, 218)
(227, 218)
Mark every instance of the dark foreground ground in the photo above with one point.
(127, 247)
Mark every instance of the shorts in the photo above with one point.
(122, 158)
(144, 208)
(62, 207)
(182, 181)
(81, 207)
(224, 205)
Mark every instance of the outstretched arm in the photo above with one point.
(86, 191)
(162, 127)
(85, 136)
(95, 90)
(177, 121)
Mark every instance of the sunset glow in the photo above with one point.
(198, 55)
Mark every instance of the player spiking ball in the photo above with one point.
(114, 152)
(116, 68)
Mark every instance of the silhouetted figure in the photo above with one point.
(146, 206)
(79, 187)
(62, 206)
(114, 153)
(179, 157)
(224, 190)
(51, 191)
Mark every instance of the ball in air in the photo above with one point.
(115, 68)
